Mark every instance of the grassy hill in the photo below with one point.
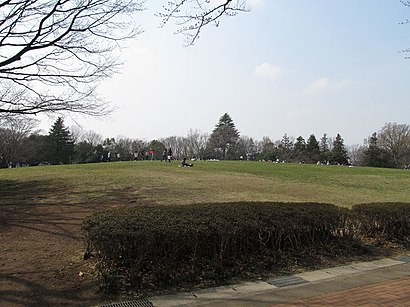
(164, 183)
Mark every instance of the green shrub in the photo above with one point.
(385, 221)
(176, 244)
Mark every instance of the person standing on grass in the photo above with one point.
(164, 155)
(169, 154)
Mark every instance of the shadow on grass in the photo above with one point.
(21, 206)
(24, 292)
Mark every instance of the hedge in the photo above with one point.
(383, 221)
(159, 246)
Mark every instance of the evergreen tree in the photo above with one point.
(375, 156)
(285, 148)
(59, 143)
(324, 148)
(224, 136)
(312, 149)
(338, 154)
(299, 150)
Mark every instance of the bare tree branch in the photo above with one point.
(53, 53)
(193, 15)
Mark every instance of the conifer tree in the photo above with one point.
(60, 143)
(223, 137)
(299, 150)
(312, 149)
(376, 156)
(338, 154)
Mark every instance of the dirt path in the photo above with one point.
(41, 256)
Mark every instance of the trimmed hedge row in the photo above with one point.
(156, 246)
(168, 245)
(383, 221)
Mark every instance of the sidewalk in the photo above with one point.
(384, 282)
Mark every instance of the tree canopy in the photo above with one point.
(223, 137)
(54, 53)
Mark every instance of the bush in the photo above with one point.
(160, 246)
(384, 221)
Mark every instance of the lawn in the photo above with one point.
(42, 208)
(206, 182)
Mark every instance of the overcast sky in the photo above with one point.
(287, 66)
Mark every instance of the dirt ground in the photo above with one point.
(42, 250)
(41, 246)
(41, 259)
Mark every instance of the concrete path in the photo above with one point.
(384, 282)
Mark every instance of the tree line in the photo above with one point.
(21, 145)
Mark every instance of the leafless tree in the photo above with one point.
(395, 138)
(196, 142)
(12, 131)
(355, 153)
(91, 137)
(53, 53)
(192, 16)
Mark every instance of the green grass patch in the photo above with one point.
(223, 181)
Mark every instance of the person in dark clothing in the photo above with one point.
(169, 154)
(186, 164)
(164, 155)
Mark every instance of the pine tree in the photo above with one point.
(224, 136)
(338, 154)
(285, 148)
(60, 143)
(299, 150)
(375, 156)
(312, 149)
(324, 148)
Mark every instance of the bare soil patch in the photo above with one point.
(42, 250)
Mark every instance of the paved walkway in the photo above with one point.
(384, 282)
(392, 293)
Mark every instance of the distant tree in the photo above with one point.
(312, 149)
(86, 153)
(245, 147)
(266, 149)
(60, 144)
(285, 148)
(338, 154)
(196, 143)
(34, 149)
(395, 139)
(109, 153)
(223, 137)
(300, 150)
(356, 154)
(13, 130)
(158, 148)
(324, 148)
(376, 156)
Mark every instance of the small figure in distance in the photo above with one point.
(164, 155)
(186, 164)
(169, 154)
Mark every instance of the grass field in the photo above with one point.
(42, 209)
(223, 181)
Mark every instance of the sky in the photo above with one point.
(286, 66)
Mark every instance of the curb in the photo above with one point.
(252, 288)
